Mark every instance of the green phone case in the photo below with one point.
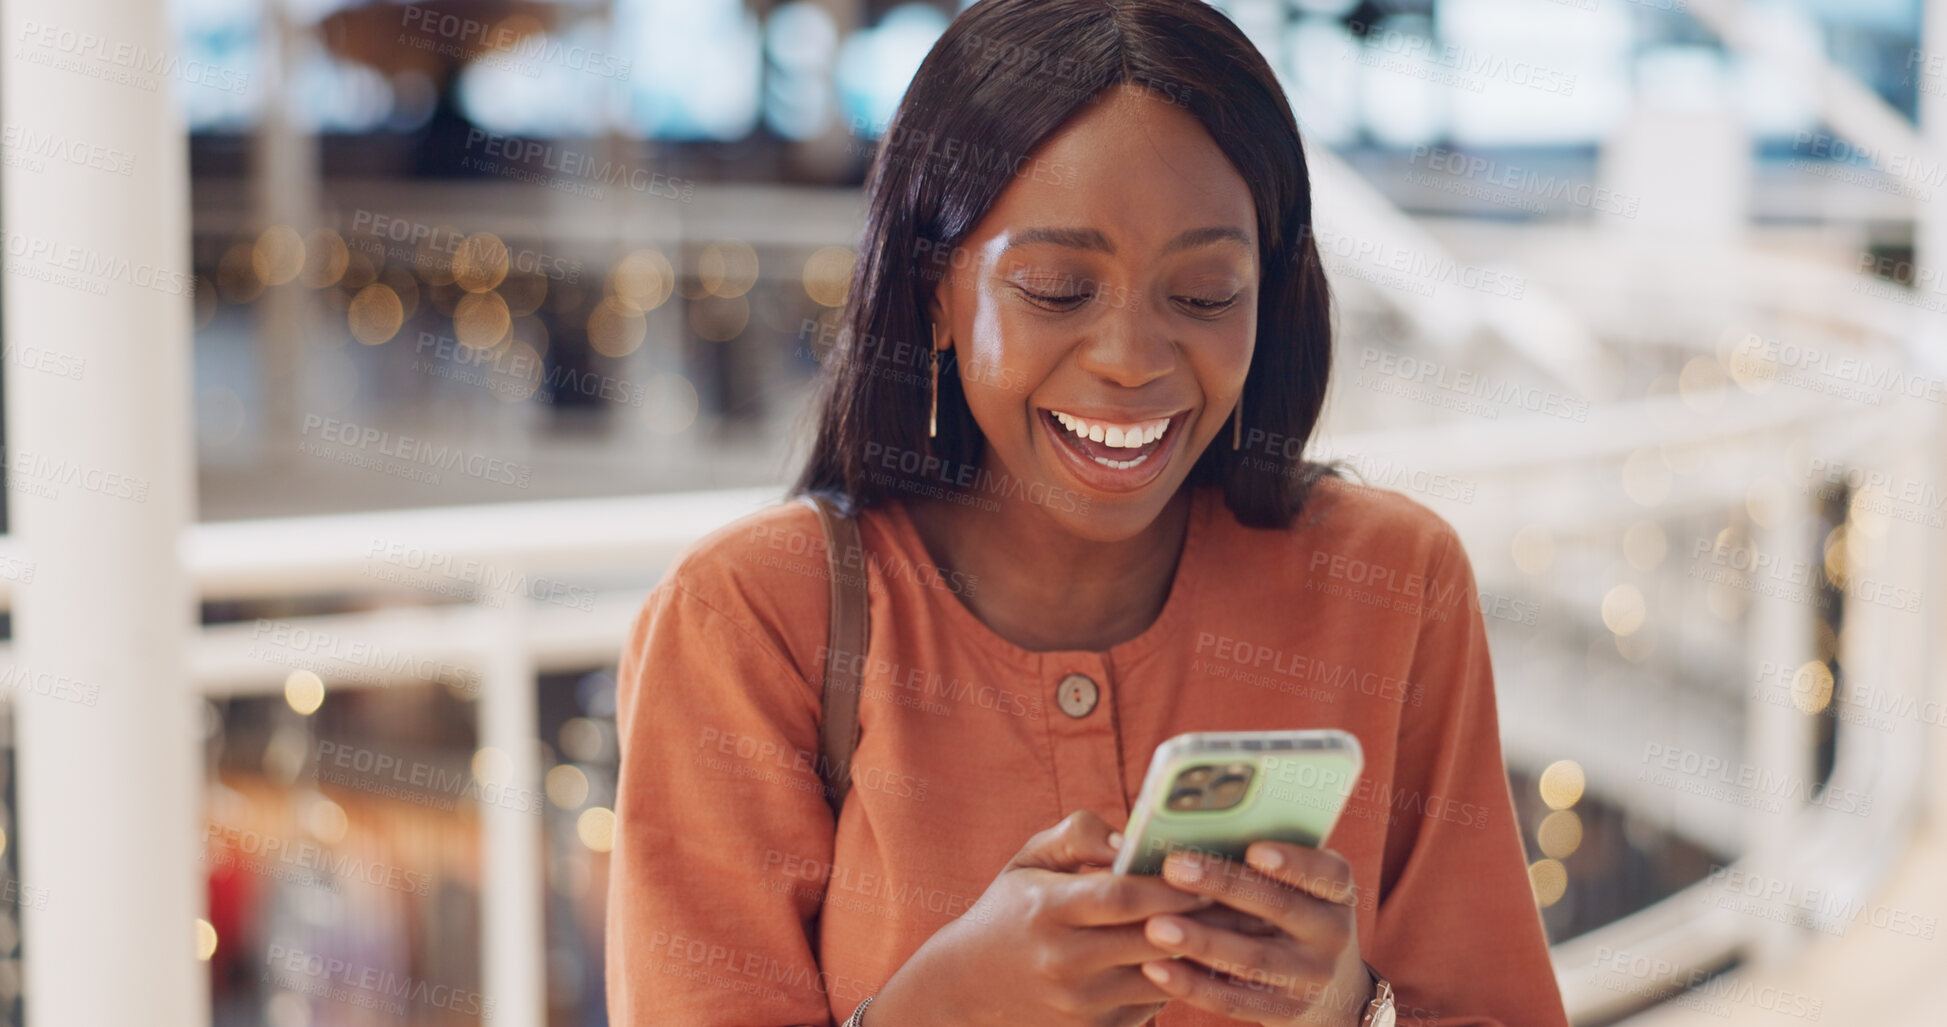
(1298, 784)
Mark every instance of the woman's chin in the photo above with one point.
(1112, 517)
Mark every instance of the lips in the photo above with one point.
(1113, 454)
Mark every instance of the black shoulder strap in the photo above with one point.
(838, 730)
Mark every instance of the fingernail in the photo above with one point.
(1267, 858)
(1166, 931)
(1115, 839)
(1159, 974)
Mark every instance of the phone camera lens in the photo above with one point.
(1228, 789)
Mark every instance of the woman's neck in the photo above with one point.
(1044, 589)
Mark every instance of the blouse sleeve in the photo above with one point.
(721, 825)
(1457, 931)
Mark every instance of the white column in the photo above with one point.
(1778, 736)
(99, 470)
(1930, 250)
(513, 947)
(284, 186)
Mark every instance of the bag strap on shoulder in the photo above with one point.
(838, 729)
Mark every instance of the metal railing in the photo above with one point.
(625, 544)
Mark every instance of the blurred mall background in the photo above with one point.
(366, 363)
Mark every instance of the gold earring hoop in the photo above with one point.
(1237, 424)
(933, 413)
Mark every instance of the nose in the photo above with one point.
(1126, 346)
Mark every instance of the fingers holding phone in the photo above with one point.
(1055, 939)
(1307, 971)
(1238, 817)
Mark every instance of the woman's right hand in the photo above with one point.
(1054, 940)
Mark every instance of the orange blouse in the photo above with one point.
(734, 901)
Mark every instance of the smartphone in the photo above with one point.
(1218, 791)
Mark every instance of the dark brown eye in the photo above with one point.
(1208, 306)
(1057, 301)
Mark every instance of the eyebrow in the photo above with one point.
(1090, 239)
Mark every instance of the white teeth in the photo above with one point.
(1133, 436)
(1120, 465)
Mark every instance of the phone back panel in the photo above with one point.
(1293, 796)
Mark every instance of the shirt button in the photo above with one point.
(1076, 695)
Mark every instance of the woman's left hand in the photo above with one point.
(1300, 965)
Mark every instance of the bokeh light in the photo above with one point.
(1561, 784)
(304, 691)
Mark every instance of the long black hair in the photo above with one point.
(1005, 75)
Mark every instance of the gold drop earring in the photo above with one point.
(933, 413)
(1237, 424)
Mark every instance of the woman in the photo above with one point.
(1092, 218)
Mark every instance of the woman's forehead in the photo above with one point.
(1136, 170)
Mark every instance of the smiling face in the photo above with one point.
(1117, 302)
